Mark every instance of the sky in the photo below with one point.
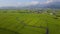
(17, 3)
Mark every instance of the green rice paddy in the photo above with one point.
(28, 23)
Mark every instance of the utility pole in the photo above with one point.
(47, 30)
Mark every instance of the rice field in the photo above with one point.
(28, 23)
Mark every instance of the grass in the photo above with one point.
(28, 23)
(6, 31)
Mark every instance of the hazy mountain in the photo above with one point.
(53, 5)
(36, 6)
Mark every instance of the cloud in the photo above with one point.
(52, 1)
(5, 3)
(56, 0)
(17, 3)
(47, 2)
(34, 2)
(27, 3)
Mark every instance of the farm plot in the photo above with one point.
(24, 23)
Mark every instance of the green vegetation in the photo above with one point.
(29, 22)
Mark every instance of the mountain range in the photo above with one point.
(53, 5)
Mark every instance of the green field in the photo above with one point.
(28, 23)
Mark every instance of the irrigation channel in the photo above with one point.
(24, 24)
(7, 31)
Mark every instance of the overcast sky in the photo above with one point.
(24, 2)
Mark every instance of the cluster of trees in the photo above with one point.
(54, 12)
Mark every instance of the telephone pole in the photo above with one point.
(47, 30)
